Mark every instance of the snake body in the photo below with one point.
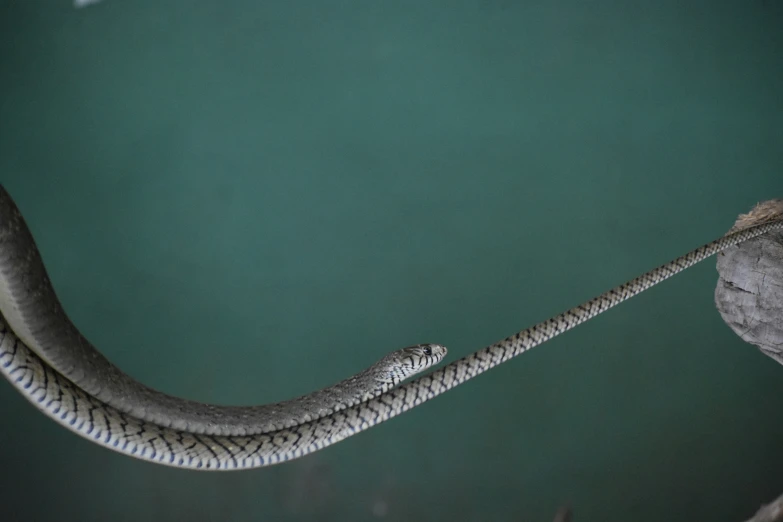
(82, 396)
(30, 306)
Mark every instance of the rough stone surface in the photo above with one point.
(749, 293)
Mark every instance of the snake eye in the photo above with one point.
(428, 351)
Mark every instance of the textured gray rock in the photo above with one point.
(749, 293)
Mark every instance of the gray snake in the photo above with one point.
(45, 357)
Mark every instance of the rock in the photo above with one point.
(749, 293)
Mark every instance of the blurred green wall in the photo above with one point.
(243, 201)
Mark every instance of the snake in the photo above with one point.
(45, 357)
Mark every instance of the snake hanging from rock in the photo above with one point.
(43, 355)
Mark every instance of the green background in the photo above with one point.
(239, 202)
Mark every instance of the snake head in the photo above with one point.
(405, 362)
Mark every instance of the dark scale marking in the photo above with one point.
(217, 442)
(45, 386)
(167, 444)
(206, 446)
(91, 421)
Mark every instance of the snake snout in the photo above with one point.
(437, 351)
